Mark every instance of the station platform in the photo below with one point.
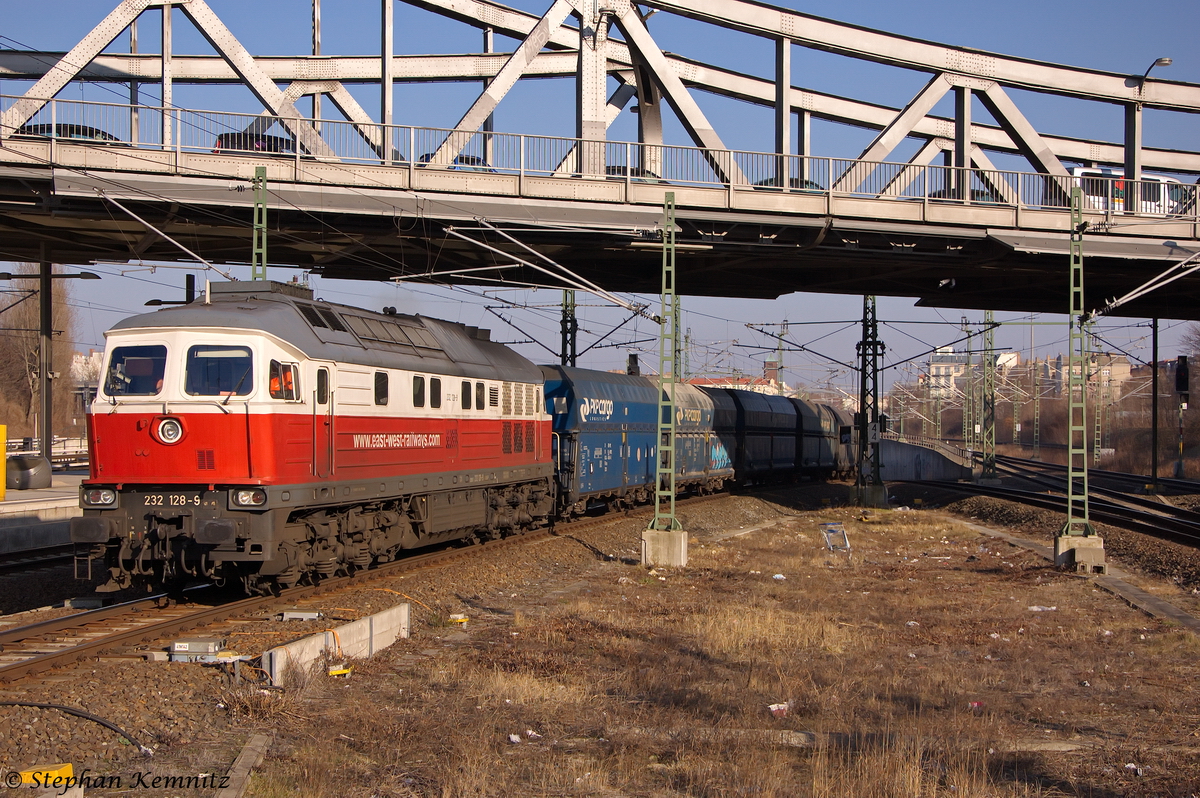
(40, 518)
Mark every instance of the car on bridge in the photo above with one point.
(794, 184)
(1105, 189)
(256, 143)
(70, 131)
(463, 163)
(979, 196)
(636, 174)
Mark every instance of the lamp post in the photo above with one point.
(1133, 138)
(1165, 61)
(46, 332)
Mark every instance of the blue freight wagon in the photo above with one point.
(605, 438)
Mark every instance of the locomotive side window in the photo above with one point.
(136, 371)
(479, 395)
(322, 386)
(466, 395)
(418, 391)
(435, 392)
(381, 388)
(284, 381)
(218, 370)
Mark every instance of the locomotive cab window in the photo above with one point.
(217, 370)
(284, 381)
(136, 371)
(381, 388)
(466, 395)
(435, 392)
(418, 391)
(479, 395)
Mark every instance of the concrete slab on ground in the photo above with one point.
(1113, 582)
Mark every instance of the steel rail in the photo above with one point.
(209, 615)
(35, 558)
(1188, 485)
(1152, 507)
(1108, 512)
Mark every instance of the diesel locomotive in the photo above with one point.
(263, 438)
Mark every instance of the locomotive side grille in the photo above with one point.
(518, 438)
(506, 408)
(529, 445)
(506, 443)
(206, 460)
(530, 400)
(493, 396)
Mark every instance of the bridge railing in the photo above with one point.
(187, 130)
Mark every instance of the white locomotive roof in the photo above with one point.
(341, 333)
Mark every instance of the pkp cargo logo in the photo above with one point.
(596, 409)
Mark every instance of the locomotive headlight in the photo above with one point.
(250, 497)
(99, 497)
(170, 431)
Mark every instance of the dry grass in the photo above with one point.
(907, 675)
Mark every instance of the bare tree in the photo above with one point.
(19, 350)
(1190, 342)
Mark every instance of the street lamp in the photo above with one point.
(1164, 62)
(45, 331)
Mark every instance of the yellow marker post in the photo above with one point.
(48, 775)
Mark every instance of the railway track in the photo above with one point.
(1134, 513)
(36, 558)
(39, 647)
(1138, 481)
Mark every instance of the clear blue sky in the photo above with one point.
(1105, 34)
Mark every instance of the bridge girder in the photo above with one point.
(781, 253)
(955, 64)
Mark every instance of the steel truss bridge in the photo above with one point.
(366, 198)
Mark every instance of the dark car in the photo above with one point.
(66, 130)
(978, 195)
(636, 174)
(254, 142)
(463, 163)
(794, 183)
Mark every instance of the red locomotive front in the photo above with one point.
(264, 436)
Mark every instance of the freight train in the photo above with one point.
(264, 438)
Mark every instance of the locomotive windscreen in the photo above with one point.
(219, 370)
(136, 371)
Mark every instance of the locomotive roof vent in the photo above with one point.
(244, 287)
